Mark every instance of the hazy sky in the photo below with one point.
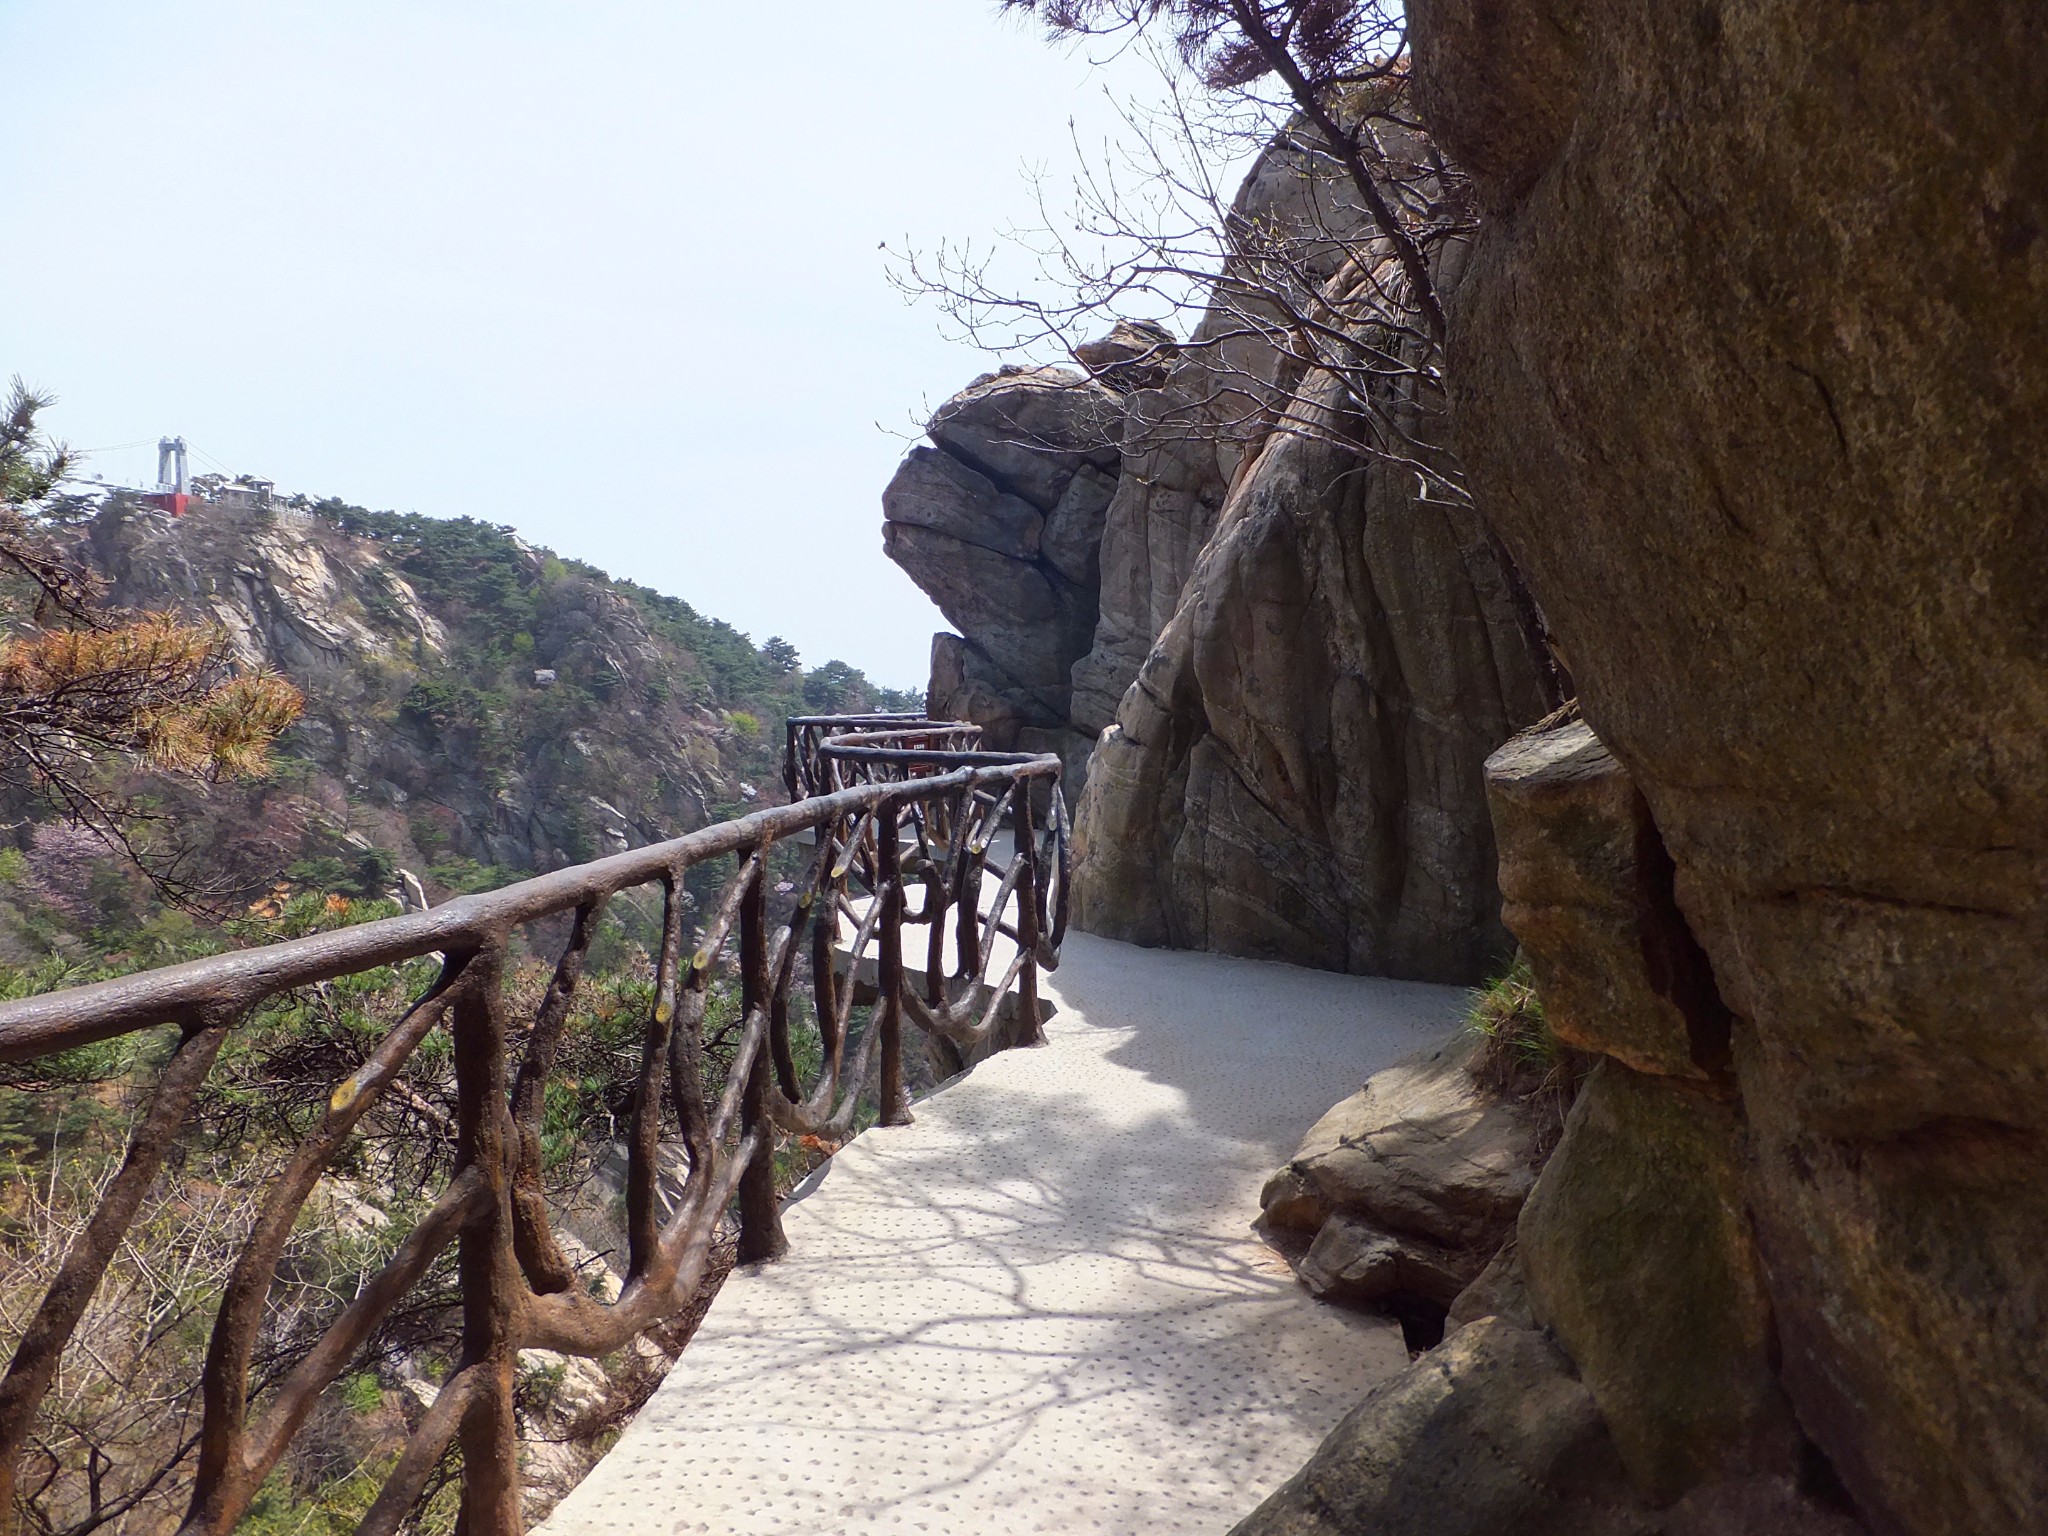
(605, 270)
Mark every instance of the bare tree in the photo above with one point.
(1329, 261)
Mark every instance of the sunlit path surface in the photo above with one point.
(1041, 1308)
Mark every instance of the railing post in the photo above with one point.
(492, 1288)
(895, 1101)
(1026, 1027)
(760, 1212)
(967, 866)
(935, 909)
(824, 918)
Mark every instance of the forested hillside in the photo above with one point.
(476, 709)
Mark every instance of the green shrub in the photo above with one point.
(465, 877)
(1520, 1055)
(363, 1393)
(359, 872)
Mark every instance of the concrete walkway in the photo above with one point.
(1041, 1308)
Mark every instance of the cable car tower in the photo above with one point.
(173, 476)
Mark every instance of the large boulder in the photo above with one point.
(1638, 1253)
(1487, 1435)
(1296, 774)
(1750, 370)
(1407, 1188)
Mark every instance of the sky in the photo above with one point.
(603, 270)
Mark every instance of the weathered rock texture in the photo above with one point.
(1406, 1189)
(1638, 1253)
(1490, 1435)
(1485, 1436)
(999, 519)
(1299, 689)
(1751, 373)
(1293, 769)
(1189, 431)
(1587, 888)
(1637, 1248)
(1296, 772)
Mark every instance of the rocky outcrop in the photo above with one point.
(1490, 1435)
(1586, 885)
(1750, 370)
(1404, 1191)
(1486, 1435)
(291, 594)
(1634, 1251)
(1306, 871)
(1637, 1248)
(398, 745)
(1296, 773)
(999, 519)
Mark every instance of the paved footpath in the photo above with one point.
(1040, 1308)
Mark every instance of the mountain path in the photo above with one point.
(1041, 1307)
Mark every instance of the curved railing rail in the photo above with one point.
(929, 828)
(808, 766)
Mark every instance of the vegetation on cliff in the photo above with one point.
(86, 688)
(474, 710)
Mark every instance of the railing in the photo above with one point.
(824, 753)
(928, 828)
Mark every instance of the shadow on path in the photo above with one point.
(1041, 1307)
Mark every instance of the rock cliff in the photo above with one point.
(1750, 371)
(1297, 660)
(1296, 773)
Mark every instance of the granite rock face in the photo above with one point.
(1297, 772)
(999, 519)
(1192, 425)
(1299, 691)
(1639, 1255)
(1490, 1434)
(1128, 464)
(1750, 370)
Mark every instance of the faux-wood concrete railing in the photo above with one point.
(924, 816)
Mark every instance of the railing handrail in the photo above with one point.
(236, 979)
(931, 831)
(805, 736)
(875, 717)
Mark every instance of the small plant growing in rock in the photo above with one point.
(1521, 1057)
